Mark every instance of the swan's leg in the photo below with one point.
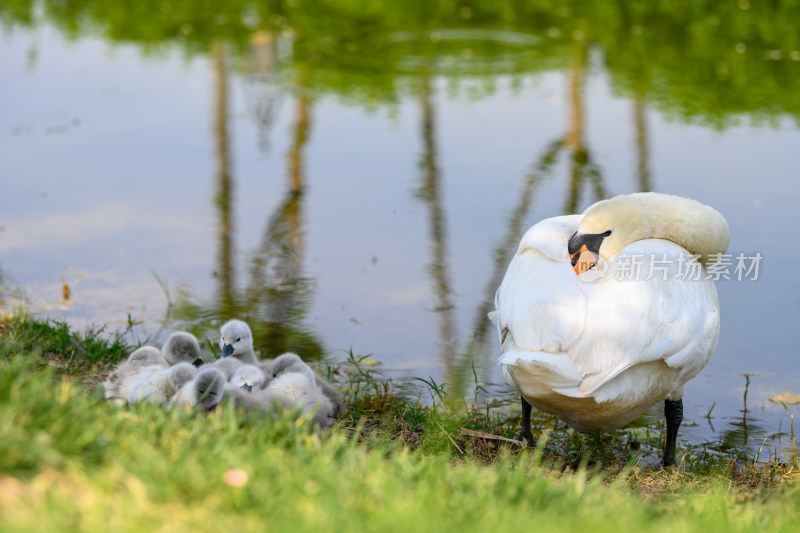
(673, 412)
(525, 434)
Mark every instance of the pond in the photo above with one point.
(356, 175)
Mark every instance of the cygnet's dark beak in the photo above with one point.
(227, 350)
(247, 387)
(198, 362)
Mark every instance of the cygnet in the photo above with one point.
(236, 340)
(155, 383)
(182, 347)
(294, 387)
(291, 362)
(179, 347)
(263, 402)
(248, 377)
(203, 392)
(145, 356)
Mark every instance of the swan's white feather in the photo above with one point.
(600, 353)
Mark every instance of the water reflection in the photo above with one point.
(642, 144)
(262, 91)
(701, 64)
(276, 273)
(431, 193)
(277, 294)
(583, 169)
(223, 199)
(738, 432)
(480, 350)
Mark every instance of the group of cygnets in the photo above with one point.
(177, 376)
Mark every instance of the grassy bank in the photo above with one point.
(70, 460)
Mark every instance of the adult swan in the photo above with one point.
(605, 314)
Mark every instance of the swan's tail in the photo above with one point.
(540, 373)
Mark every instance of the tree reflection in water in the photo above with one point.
(277, 294)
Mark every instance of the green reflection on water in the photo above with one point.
(277, 295)
(701, 61)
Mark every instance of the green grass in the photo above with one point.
(71, 461)
(55, 341)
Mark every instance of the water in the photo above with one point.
(360, 185)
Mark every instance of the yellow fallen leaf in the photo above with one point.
(788, 398)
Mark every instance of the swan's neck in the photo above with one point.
(698, 228)
(695, 226)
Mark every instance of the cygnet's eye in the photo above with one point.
(237, 340)
(189, 356)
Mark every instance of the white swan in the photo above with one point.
(587, 338)
(236, 340)
(179, 347)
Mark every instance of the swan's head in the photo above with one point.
(235, 339)
(182, 347)
(604, 231)
(610, 226)
(291, 362)
(248, 377)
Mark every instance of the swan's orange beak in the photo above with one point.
(582, 260)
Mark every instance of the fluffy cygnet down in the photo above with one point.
(182, 347)
(179, 347)
(227, 365)
(145, 356)
(291, 362)
(248, 377)
(265, 402)
(203, 392)
(295, 388)
(155, 383)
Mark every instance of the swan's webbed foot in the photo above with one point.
(673, 412)
(525, 436)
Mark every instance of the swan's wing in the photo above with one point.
(580, 339)
(540, 373)
(659, 315)
(540, 310)
(537, 290)
(539, 304)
